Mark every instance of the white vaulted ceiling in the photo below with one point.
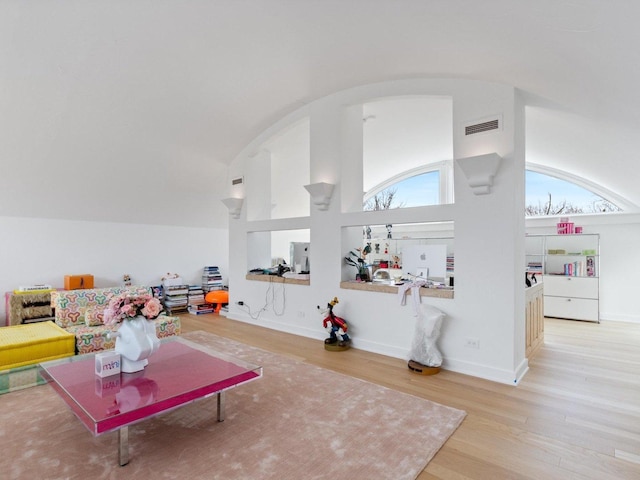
(140, 101)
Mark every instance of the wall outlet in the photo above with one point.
(472, 342)
(301, 314)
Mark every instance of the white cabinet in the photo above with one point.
(571, 297)
(570, 267)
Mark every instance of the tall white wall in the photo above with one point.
(35, 251)
(489, 237)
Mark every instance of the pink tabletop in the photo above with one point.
(178, 373)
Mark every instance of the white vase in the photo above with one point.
(136, 340)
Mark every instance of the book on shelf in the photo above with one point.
(201, 309)
(180, 296)
(534, 267)
(196, 295)
(591, 266)
(575, 269)
(211, 278)
(176, 310)
(176, 290)
(175, 302)
(34, 289)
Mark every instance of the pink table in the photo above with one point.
(179, 373)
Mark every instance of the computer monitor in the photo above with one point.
(425, 261)
(299, 253)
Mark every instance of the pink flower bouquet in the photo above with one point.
(127, 306)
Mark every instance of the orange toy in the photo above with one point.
(218, 297)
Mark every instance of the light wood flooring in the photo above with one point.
(575, 415)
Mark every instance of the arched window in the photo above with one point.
(545, 194)
(550, 195)
(407, 151)
(416, 190)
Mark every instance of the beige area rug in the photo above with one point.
(299, 422)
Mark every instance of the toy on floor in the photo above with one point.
(337, 327)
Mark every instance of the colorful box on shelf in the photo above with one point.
(565, 228)
(78, 282)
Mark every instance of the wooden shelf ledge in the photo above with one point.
(376, 287)
(275, 279)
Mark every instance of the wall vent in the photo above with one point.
(493, 124)
(237, 181)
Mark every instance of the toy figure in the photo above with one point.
(337, 327)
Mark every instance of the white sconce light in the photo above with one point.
(320, 194)
(234, 205)
(480, 171)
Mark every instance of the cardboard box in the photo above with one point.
(77, 282)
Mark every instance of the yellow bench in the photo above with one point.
(34, 343)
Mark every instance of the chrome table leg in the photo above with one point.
(221, 407)
(123, 446)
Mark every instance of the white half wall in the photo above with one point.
(489, 237)
(43, 251)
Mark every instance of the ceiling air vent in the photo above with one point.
(493, 124)
(237, 181)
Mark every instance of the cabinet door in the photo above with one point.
(568, 307)
(561, 286)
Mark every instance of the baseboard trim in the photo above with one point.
(459, 366)
(616, 317)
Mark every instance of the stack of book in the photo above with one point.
(176, 299)
(196, 302)
(201, 309)
(211, 279)
(534, 267)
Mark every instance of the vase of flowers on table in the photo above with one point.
(136, 339)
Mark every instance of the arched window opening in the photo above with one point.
(417, 190)
(407, 151)
(547, 195)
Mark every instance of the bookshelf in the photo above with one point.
(569, 267)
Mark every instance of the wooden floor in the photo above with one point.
(575, 415)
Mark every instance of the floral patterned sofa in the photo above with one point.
(80, 312)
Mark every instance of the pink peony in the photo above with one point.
(126, 306)
(152, 308)
(110, 317)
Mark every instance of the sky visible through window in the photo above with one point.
(417, 191)
(539, 186)
(423, 189)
